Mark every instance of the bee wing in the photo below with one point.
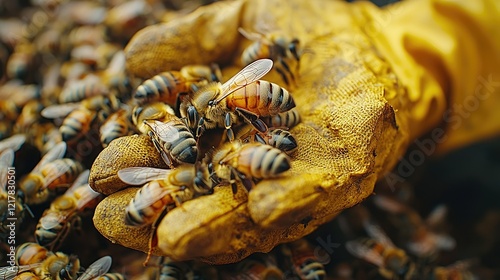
(82, 179)
(6, 160)
(251, 73)
(14, 142)
(358, 249)
(59, 110)
(56, 152)
(437, 216)
(85, 195)
(164, 131)
(10, 272)
(153, 193)
(388, 204)
(142, 175)
(376, 232)
(51, 219)
(97, 268)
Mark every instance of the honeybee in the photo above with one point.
(115, 126)
(5, 129)
(21, 61)
(394, 263)
(56, 222)
(174, 141)
(286, 119)
(52, 171)
(170, 269)
(29, 115)
(274, 46)
(87, 35)
(31, 253)
(97, 269)
(244, 162)
(274, 137)
(59, 266)
(167, 86)
(255, 268)
(153, 111)
(421, 239)
(216, 104)
(163, 187)
(79, 90)
(45, 136)
(14, 96)
(14, 142)
(303, 260)
(79, 116)
(26, 275)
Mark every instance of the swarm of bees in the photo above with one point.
(210, 133)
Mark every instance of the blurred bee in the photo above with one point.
(115, 126)
(125, 19)
(394, 263)
(286, 119)
(174, 141)
(80, 116)
(45, 136)
(57, 221)
(162, 187)
(97, 269)
(419, 235)
(13, 96)
(275, 137)
(21, 61)
(31, 253)
(216, 104)
(26, 275)
(30, 114)
(153, 111)
(244, 162)
(111, 276)
(255, 268)
(79, 90)
(172, 270)
(303, 260)
(5, 129)
(93, 35)
(273, 46)
(167, 86)
(51, 172)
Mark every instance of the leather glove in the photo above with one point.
(371, 81)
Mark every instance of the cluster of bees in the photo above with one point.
(208, 132)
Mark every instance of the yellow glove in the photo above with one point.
(371, 81)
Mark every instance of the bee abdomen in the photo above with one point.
(286, 119)
(273, 99)
(162, 87)
(265, 161)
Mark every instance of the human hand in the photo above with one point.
(357, 116)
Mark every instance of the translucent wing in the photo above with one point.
(97, 268)
(251, 73)
(51, 220)
(388, 204)
(151, 193)
(250, 35)
(14, 142)
(59, 110)
(6, 160)
(85, 194)
(53, 171)
(10, 272)
(82, 179)
(360, 250)
(142, 175)
(165, 132)
(376, 232)
(437, 216)
(56, 152)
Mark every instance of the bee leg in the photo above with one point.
(200, 128)
(179, 101)
(238, 176)
(216, 73)
(228, 123)
(252, 119)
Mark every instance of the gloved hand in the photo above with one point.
(371, 81)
